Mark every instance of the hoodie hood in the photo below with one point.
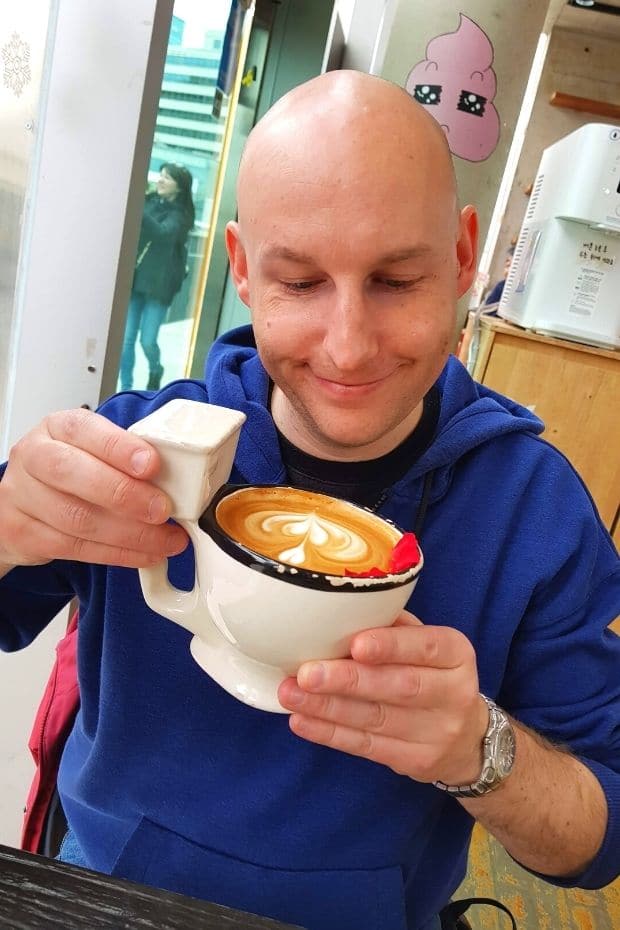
(235, 378)
(470, 416)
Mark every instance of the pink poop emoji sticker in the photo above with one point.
(457, 84)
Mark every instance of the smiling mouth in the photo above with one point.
(343, 387)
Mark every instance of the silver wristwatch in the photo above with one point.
(498, 756)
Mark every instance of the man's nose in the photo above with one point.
(351, 337)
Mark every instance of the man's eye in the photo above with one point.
(396, 284)
(299, 286)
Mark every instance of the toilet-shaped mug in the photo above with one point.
(255, 619)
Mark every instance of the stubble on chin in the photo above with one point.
(291, 417)
(338, 435)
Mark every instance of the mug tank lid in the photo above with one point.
(190, 424)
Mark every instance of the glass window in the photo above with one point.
(186, 159)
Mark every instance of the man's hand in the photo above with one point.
(78, 487)
(407, 698)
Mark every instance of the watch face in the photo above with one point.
(505, 751)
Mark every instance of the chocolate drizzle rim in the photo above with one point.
(304, 577)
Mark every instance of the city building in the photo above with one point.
(186, 130)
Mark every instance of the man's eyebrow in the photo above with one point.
(404, 255)
(290, 255)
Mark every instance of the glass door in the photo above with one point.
(289, 43)
(226, 63)
(202, 75)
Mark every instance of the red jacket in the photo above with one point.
(52, 725)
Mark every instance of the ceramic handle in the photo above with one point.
(183, 607)
(180, 606)
(196, 443)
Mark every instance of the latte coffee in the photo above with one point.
(307, 530)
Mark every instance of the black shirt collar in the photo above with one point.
(362, 482)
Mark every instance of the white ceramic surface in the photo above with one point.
(251, 682)
(251, 629)
(196, 443)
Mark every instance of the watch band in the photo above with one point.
(490, 778)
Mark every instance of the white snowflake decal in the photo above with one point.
(16, 55)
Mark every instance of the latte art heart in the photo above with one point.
(307, 530)
(318, 537)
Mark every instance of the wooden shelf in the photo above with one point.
(585, 105)
(574, 389)
(510, 329)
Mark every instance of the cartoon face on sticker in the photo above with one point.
(457, 85)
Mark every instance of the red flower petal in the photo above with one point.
(371, 573)
(405, 554)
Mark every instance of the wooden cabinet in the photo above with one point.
(574, 389)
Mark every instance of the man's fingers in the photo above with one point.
(414, 724)
(74, 471)
(78, 487)
(71, 522)
(54, 545)
(104, 440)
(73, 517)
(411, 643)
(405, 685)
(406, 618)
(398, 755)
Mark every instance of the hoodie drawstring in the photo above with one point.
(422, 506)
(424, 501)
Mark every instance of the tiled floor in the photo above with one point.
(535, 904)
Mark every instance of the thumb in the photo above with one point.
(405, 618)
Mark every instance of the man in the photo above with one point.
(351, 252)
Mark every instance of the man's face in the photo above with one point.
(352, 281)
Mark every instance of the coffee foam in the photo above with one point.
(307, 530)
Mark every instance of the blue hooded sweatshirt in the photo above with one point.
(168, 780)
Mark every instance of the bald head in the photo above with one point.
(351, 254)
(340, 123)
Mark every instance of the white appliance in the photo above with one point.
(564, 279)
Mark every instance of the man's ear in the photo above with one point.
(467, 249)
(238, 261)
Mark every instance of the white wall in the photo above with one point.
(24, 28)
(345, 10)
(84, 203)
(417, 22)
(23, 676)
(580, 63)
(369, 25)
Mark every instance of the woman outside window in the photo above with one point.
(160, 269)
